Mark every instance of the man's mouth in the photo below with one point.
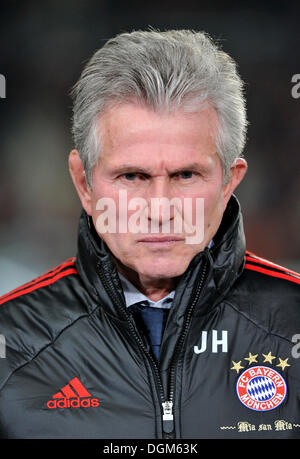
(160, 241)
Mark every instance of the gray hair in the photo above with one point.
(164, 70)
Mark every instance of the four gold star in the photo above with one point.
(283, 363)
(269, 357)
(251, 358)
(237, 366)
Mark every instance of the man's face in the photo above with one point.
(150, 155)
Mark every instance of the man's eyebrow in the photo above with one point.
(129, 168)
(189, 167)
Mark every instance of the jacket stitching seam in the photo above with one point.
(47, 345)
(256, 324)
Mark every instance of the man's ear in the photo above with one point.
(236, 175)
(78, 176)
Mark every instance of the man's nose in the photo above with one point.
(159, 197)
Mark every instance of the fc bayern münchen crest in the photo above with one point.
(261, 388)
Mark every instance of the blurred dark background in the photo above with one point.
(43, 47)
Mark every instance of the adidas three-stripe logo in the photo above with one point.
(73, 395)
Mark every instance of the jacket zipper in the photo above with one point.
(167, 405)
(108, 284)
(169, 417)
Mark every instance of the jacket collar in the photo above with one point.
(224, 264)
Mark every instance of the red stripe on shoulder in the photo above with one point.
(254, 258)
(67, 263)
(272, 273)
(64, 269)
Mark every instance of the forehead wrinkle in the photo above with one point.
(156, 126)
(125, 141)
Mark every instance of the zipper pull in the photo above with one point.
(168, 418)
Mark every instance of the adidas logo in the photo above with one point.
(73, 395)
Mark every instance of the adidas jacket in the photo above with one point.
(76, 366)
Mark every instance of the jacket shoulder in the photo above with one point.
(268, 294)
(33, 315)
(265, 267)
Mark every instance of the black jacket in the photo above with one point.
(77, 366)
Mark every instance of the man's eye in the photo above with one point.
(130, 176)
(186, 174)
(134, 176)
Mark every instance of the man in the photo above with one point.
(156, 329)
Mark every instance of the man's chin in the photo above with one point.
(166, 270)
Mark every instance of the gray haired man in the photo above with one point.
(149, 333)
